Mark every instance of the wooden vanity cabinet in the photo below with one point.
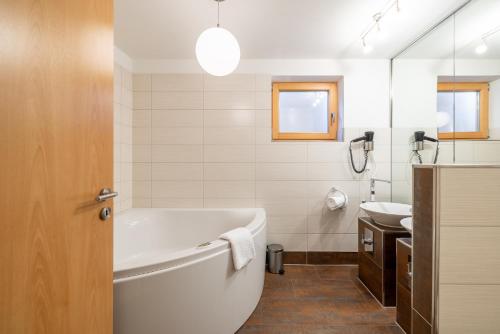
(456, 253)
(423, 248)
(403, 283)
(377, 259)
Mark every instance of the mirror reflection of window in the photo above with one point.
(466, 105)
(462, 110)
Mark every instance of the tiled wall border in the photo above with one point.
(321, 258)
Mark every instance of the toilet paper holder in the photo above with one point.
(336, 199)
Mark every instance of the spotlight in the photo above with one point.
(481, 48)
(367, 48)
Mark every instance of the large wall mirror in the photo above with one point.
(446, 95)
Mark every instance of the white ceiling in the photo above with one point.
(460, 35)
(475, 20)
(291, 29)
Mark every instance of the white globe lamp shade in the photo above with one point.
(217, 51)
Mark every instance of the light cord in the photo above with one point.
(218, 13)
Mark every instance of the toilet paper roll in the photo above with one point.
(336, 199)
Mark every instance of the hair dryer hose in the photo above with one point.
(358, 171)
(436, 155)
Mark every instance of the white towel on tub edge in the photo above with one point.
(242, 246)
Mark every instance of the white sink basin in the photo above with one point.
(407, 223)
(387, 214)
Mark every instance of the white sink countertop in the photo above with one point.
(407, 223)
(387, 213)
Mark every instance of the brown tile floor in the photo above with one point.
(318, 300)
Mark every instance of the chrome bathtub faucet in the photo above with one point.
(372, 187)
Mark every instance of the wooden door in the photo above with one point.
(56, 130)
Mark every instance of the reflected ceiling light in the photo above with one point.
(376, 24)
(217, 50)
(481, 48)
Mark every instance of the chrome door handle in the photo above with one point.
(106, 194)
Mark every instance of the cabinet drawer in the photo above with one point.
(403, 254)
(403, 308)
(371, 275)
(419, 325)
(370, 243)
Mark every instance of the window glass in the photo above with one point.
(467, 112)
(303, 111)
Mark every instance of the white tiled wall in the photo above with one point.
(458, 151)
(204, 141)
(403, 159)
(122, 138)
(414, 103)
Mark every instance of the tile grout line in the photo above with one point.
(151, 140)
(255, 143)
(203, 76)
(307, 208)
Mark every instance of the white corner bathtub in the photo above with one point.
(166, 283)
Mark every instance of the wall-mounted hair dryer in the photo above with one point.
(367, 147)
(418, 145)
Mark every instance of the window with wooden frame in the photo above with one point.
(463, 110)
(305, 111)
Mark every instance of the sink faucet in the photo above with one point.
(372, 187)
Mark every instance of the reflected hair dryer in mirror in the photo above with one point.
(418, 145)
(367, 147)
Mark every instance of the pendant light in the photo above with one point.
(217, 50)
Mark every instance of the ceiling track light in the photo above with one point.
(376, 18)
(491, 32)
(482, 47)
(376, 23)
(367, 48)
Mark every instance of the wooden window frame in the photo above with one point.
(483, 89)
(330, 87)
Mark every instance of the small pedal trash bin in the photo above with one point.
(275, 259)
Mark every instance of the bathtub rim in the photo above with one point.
(188, 256)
